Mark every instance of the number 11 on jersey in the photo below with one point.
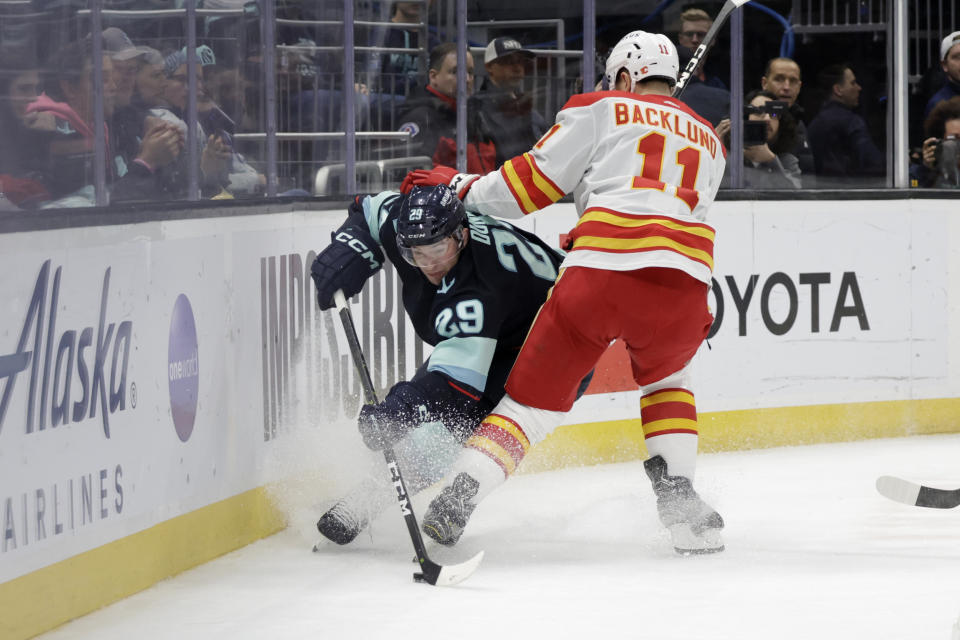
(651, 147)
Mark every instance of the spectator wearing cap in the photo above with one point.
(514, 124)
(127, 124)
(950, 63)
(123, 53)
(429, 115)
(222, 168)
(214, 151)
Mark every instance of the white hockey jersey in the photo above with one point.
(643, 170)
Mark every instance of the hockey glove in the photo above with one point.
(459, 182)
(346, 263)
(383, 424)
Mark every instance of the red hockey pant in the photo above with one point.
(661, 314)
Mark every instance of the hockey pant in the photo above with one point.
(661, 315)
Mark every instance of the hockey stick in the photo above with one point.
(913, 494)
(432, 572)
(707, 42)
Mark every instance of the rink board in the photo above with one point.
(152, 373)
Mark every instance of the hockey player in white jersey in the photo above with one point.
(644, 170)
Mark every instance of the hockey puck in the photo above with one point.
(418, 577)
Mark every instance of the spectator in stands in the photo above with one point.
(710, 103)
(430, 116)
(768, 162)
(221, 168)
(950, 63)
(69, 170)
(842, 148)
(400, 71)
(151, 81)
(226, 89)
(694, 25)
(127, 123)
(782, 78)
(514, 125)
(21, 162)
(123, 53)
(940, 166)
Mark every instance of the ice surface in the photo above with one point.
(812, 552)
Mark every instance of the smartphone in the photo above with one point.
(225, 137)
(754, 133)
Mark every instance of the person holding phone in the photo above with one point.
(769, 138)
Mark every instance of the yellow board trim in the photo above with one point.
(51, 596)
(622, 440)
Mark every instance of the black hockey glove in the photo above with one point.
(346, 263)
(383, 424)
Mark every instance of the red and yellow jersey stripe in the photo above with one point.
(530, 186)
(668, 411)
(611, 231)
(502, 440)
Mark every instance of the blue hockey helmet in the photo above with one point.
(427, 216)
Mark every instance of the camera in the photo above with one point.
(776, 109)
(754, 133)
(947, 156)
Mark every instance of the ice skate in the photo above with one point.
(694, 526)
(449, 512)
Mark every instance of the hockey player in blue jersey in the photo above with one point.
(471, 287)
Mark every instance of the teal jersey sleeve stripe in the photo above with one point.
(466, 360)
(375, 213)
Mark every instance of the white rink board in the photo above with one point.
(264, 357)
(903, 258)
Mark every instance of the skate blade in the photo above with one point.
(687, 543)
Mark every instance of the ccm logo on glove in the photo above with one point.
(359, 247)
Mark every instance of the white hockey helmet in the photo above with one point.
(644, 55)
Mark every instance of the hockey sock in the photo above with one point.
(482, 469)
(669, 419)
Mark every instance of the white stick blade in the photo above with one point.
(452, 574)
(898, 489)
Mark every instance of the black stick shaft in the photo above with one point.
(370, 396)
(705, 45)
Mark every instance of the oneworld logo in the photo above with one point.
(58, 358)
(183, 368)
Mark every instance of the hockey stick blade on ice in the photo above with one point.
(913, 494)
(705, 45)
(430, 572)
